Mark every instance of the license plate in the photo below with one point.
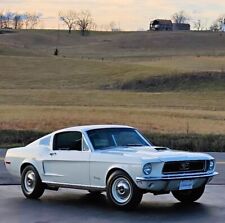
(186, 185)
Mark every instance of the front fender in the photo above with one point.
(132, 170)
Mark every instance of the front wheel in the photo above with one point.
(31, 184)
(122, 192)
(188, 196)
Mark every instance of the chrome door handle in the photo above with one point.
(53, 154)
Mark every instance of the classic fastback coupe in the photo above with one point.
(111, 158)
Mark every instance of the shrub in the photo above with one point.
(188, 142)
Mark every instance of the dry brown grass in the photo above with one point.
(69, 73)
(208, 101)
(164, 120)
(41, 92)
(114, 45)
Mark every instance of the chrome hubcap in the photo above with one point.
(121, 190)
(29, 181)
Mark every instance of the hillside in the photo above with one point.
(114, 45)
(166, 82)
(104, 60)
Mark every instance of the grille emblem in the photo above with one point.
(185, 166)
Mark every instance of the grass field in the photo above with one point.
(84, 84)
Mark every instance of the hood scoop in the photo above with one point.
(160, 148)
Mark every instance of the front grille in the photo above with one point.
(187, 166)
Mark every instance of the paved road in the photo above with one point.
(78, 206)
(73, 206)
(5, 178)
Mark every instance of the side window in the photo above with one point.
(68, 141)
(45, 141)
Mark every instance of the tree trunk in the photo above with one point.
(70, 29)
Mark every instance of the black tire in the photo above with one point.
(188, 196)
(31, 184)
(122, 192)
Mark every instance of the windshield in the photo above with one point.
(116, 137)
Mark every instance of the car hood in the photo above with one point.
(156, 154)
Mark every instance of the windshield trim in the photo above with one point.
(145, 140)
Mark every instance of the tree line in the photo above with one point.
(14, 20)
(183, 17)
(83, 21)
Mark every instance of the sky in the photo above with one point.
(127, 14)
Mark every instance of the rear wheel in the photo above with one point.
(188, 196)
(122, 192)
(31, 184)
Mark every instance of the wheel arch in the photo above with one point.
(25, 164)
(112, 170)
(128, 201)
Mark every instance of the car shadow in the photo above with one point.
(97, 205)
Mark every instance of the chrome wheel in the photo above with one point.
(29, 181)
(121, 190)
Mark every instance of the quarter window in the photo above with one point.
(45, 141)
(68, 141)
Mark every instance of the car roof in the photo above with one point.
(85, 128)
(82, 128)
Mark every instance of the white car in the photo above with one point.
(112, 158)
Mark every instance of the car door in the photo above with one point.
(68, 160)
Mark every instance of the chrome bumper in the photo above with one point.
(171, 182)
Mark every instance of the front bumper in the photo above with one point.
(172, 182)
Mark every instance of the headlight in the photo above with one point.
(211, 165)
(147, 168)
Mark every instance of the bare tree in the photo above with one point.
(180, 17)
(94, 26)
(218, 23)
(34, 20)
(8, 18)
(198, 25)
(112, 25)
(84, 21)
(26, 19)
(69, 19)
(31, 20)
(17, 21)
(104, 27)
(2, 18)
(214, 27)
